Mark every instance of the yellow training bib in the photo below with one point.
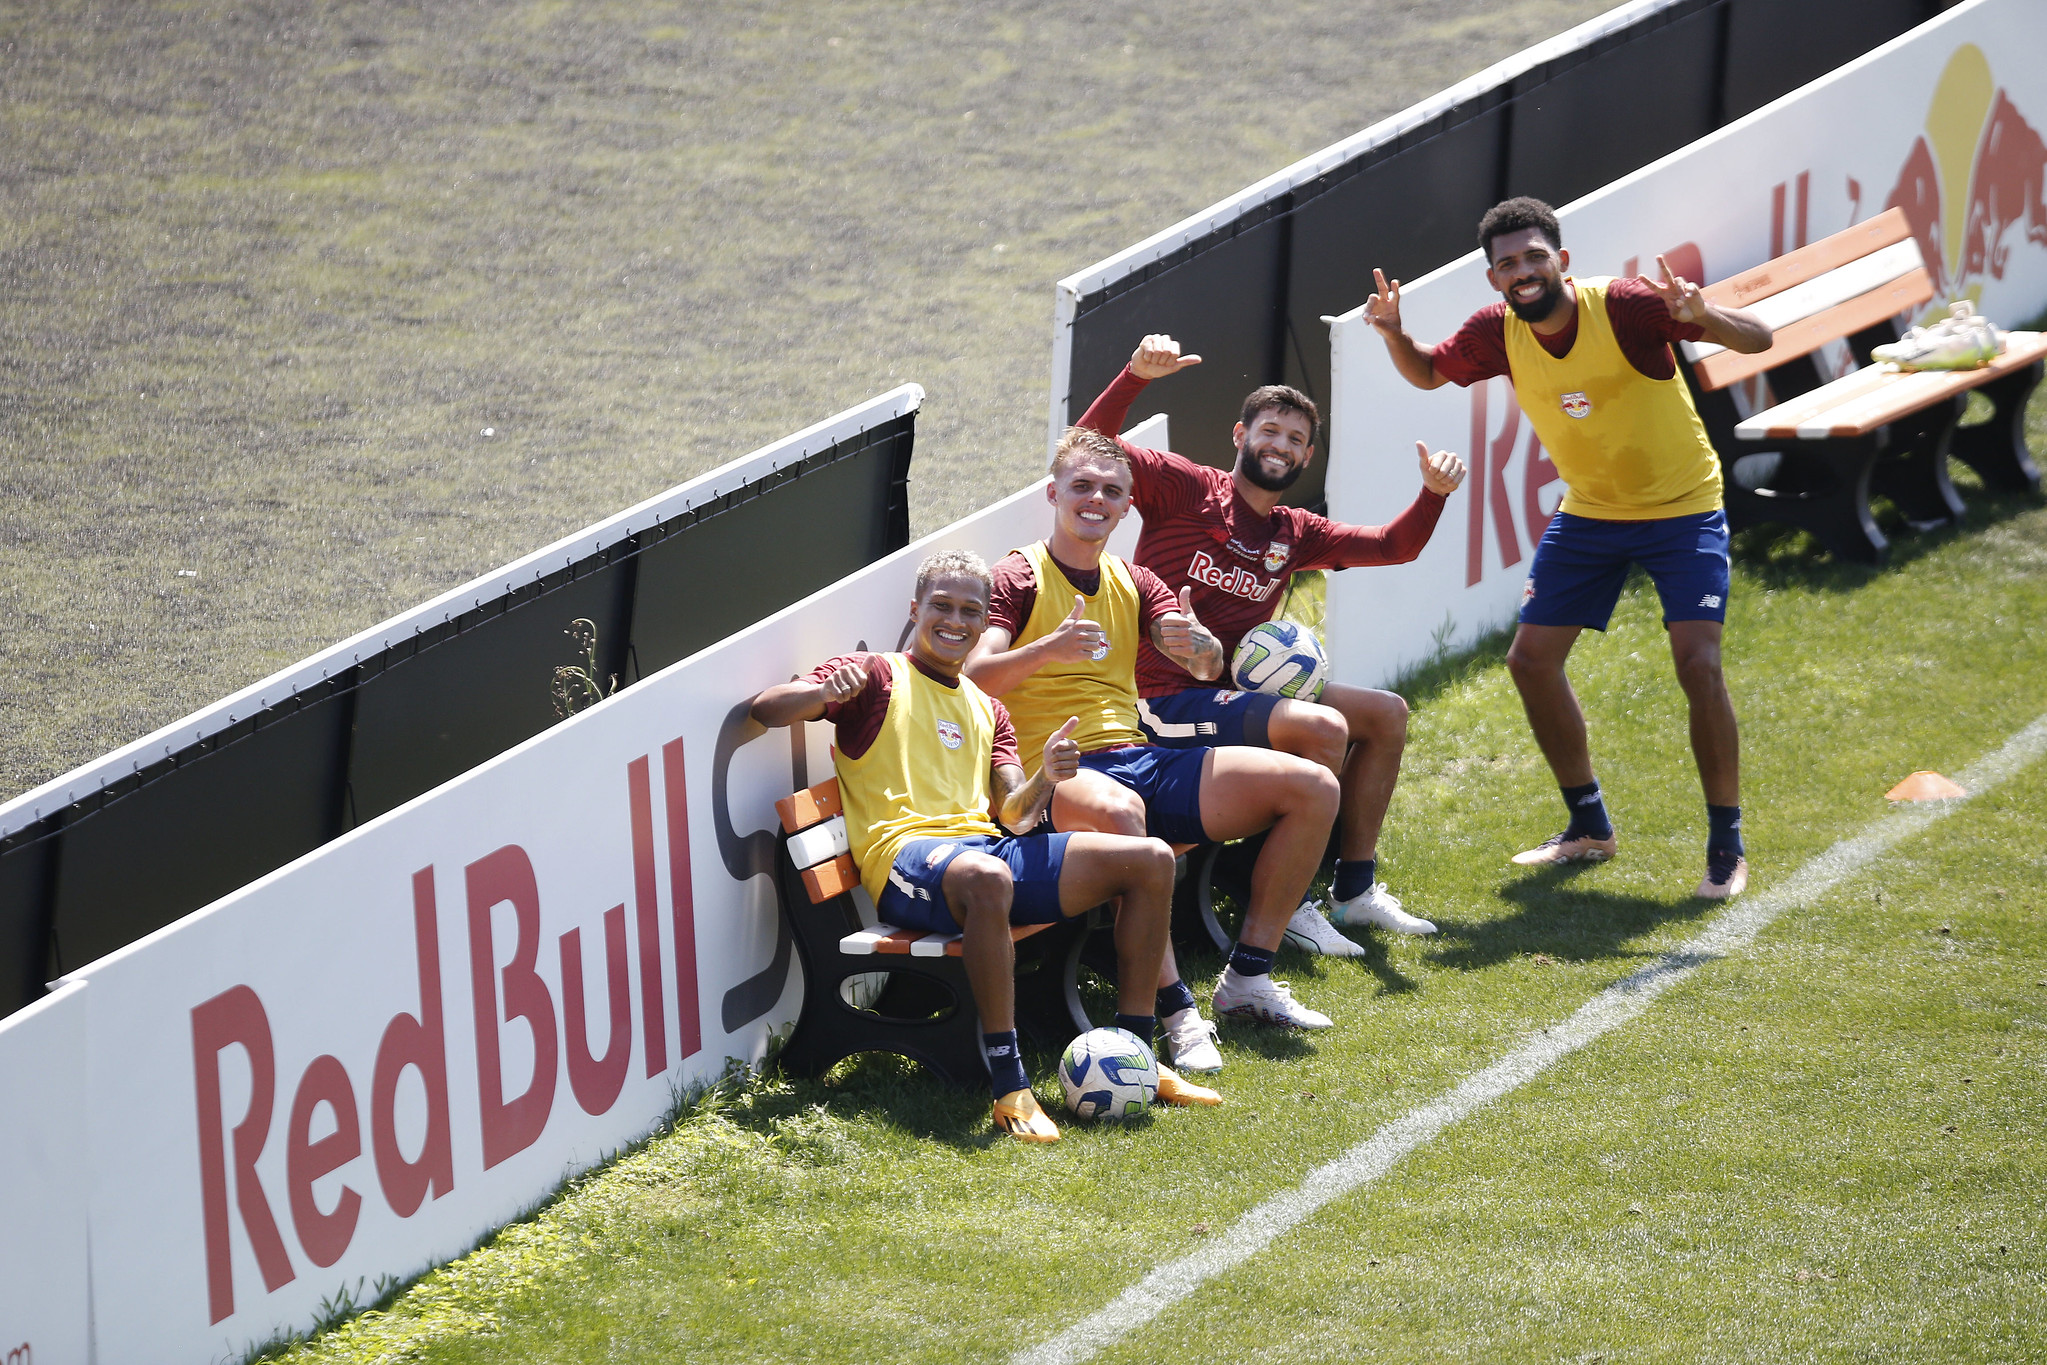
(926, 774)
(1628, 447)
(1102, 692)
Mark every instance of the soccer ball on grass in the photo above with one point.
(1108, 1074)
(1280, 658)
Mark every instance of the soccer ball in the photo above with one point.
(1108, 1074)
(1282, 659)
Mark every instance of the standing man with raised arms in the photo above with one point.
(1228, 539)
(1591, 365)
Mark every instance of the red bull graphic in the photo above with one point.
(1973, 182)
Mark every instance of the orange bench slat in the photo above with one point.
(834, 878)
(812, 806)
(1809, 334)
(1809, 262)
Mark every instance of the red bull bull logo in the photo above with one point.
(1972, 185)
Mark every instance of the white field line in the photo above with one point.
(1730, 931)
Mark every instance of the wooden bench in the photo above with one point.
(1814, 459)
(873, 987)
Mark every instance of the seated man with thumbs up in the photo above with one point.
(1050, 661)
(927, 765)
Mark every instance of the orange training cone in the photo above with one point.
(1924, 786)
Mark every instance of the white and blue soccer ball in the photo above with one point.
(1280, 658)
(1108, 1074)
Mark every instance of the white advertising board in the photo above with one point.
(1945, 122)
(358, 1065)
(44, 1312)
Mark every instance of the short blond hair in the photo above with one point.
(1085, 442)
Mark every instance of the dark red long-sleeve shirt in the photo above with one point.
(1199, 533)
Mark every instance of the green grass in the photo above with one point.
(1780, 1160)
(270, 272)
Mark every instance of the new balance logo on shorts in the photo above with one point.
(1709, 600)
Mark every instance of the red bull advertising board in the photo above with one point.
(355, 1067)
(1945, 122)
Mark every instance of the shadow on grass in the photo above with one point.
(1554, 916)
(1779, 556)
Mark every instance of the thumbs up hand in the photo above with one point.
(1181, 637)
(1078, 637)
(1062, 755)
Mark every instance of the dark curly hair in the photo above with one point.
(1515, 215)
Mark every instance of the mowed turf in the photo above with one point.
(315, 311)
(1826, 1147)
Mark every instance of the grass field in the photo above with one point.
(1824, 1147)
(270, 274)
(271, 270)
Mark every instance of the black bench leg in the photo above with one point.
(829, 1030)
(1915, 476)
(1996, 449)
(1838, 516)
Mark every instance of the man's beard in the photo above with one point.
(1253, 468)
(1543, 306)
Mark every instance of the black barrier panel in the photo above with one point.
(1582, 120)
(1346, 226)
(142, 852)
(1773, 47)
(478, 689)
(1585, 122)
(132, 861)
(729, 570)
(1223, 303)
(25, 961)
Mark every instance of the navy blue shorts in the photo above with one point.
(915, 895)
(1205, 717)
(1582, 562)
(1167, 780)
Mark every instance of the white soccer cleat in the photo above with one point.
(1311, 932)
(1265, 1000)
(1567, 847)
(1190, 1042)
(1963, 340)
(1376, 905)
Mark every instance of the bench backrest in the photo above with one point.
(815, 821)
(1833, 288)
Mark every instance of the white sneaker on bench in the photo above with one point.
(1963, 340)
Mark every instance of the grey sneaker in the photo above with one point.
(1311, 932)
(1376, 905)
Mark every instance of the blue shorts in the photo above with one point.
(1206, 717)
(1167, 780)
(1582, 562)
(915, 895)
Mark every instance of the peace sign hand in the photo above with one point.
(1382, 310)
(1683, 298)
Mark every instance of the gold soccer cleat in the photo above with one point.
(1174, 1089)
(1021, 1116)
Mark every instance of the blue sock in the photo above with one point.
(1174, 998)
(1725, 826)
(1588, 811)
(1354, 878)
(1251, 961)
(1005, 1063)
(1138, 1025)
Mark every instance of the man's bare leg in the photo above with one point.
(1362, 744)
(1099, 866)
(1536, 662)
(1090, 800)
(978, 891)
(1716, 738)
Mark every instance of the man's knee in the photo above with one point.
(977, 883)
(1382, 718)
(1698, 669)
(1309, 730)
(1154, 866)
(1102, 806)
